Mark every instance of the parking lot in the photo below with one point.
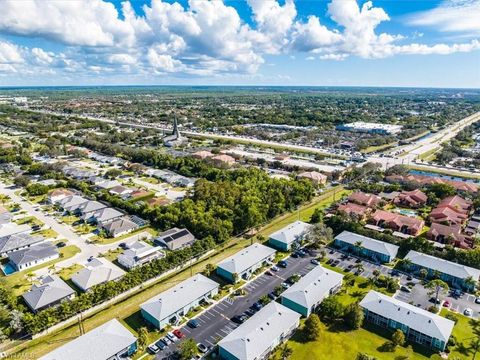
(419, 296)
(216, 322)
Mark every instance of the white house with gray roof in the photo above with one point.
(455, 274)
(244, 263)
(72, 203)
(376, 250)
(110, 341)
(418, 325)
(139, 253)
(50, 292)
(305, 295)
(104, 215)
(175, 238)
(283, 239)
(33, 256)
(258, 336)
(171, 305)
(16, 242)
(96, 272)
(11, 228)
(85, 210)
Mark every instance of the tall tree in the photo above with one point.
(312, 327)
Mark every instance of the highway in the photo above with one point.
(409, 153)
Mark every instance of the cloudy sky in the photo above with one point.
(285, 42)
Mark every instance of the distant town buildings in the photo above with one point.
(372, 128)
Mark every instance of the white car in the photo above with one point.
(171, 336)
(468, 312)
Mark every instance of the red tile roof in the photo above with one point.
(425, 180)
(364, 199)
(352, 208)
(411, 198)
(398, 222)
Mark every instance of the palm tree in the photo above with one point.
(437, 286)
(423, 273)
(285, 352)
(358, 247)
(470, 283)
(405, 264)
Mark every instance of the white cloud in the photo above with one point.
(451, 16)
(205, 38)
(10, 53)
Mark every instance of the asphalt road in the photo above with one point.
(216, 323)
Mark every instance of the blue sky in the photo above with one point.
(286, 42)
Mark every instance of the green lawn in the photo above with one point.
(67, 273)
(466, 333)
(110, 240)
(47, 233)
(30, 220)
(20, 282)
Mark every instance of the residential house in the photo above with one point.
(419, 326)
(451, 210)
(398, 223)
(449, 234)
(306, 295)
(420, 180)
(50, 292)
(87, 209)
(104, 216)
(314, 176)
(110, 341)
(457, 275)
(97, 271)
(362, 198)
(71, 203)
(120, 226)
(223, 160)
(170, 306)
(33, 256)
(378, 251)
(108, 184)
(244, 263)
(412, 199)
(17, 242)
(473, 227)
(284, 238)
(11, 228)
(139, 253)
(256, 338)
(353, 209)
(175, 238)
(120, 190)
(58, 194)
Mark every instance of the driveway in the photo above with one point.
(162, 189)
(216, 323)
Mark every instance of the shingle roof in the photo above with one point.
(179, 296)
(369, 243)
(444, 266)
(246, 258)
(415, 318)
(100, 343)
(292, 232)
(106, 213)
(97, 272)
(120, 225)
(36, 252)
(175, 237)
(16, 241)
(313, 287)
(51, 289)
(251, 339)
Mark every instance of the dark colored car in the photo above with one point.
(61, 244)
(239, 319)
(193, 323)
(272, 296)
(282, 264)
(160, 344)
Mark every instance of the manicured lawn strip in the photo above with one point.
(122, 310)
(323, 201)
(67, 273)
(111, 240)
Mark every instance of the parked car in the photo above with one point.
(268, 272)
(409, 278)
(171, 337)
(257, 306)
(405, 288)
(282, 263)
(166, 340)
(239, 319)
(329, 261)
(61, 244)
(178, 333)
(193, 323)
(272, 296)
(315, 262)
(434, 300)
(295, 255)
(446, 304)
(477, 300)
(468, 312)
(359, 271)
(202, 348)
(274, 268)
(153, 348)
(161, 345)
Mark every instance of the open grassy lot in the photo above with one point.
(21, 281)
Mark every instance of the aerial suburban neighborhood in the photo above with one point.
(239, 180)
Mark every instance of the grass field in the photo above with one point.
(466, 333)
